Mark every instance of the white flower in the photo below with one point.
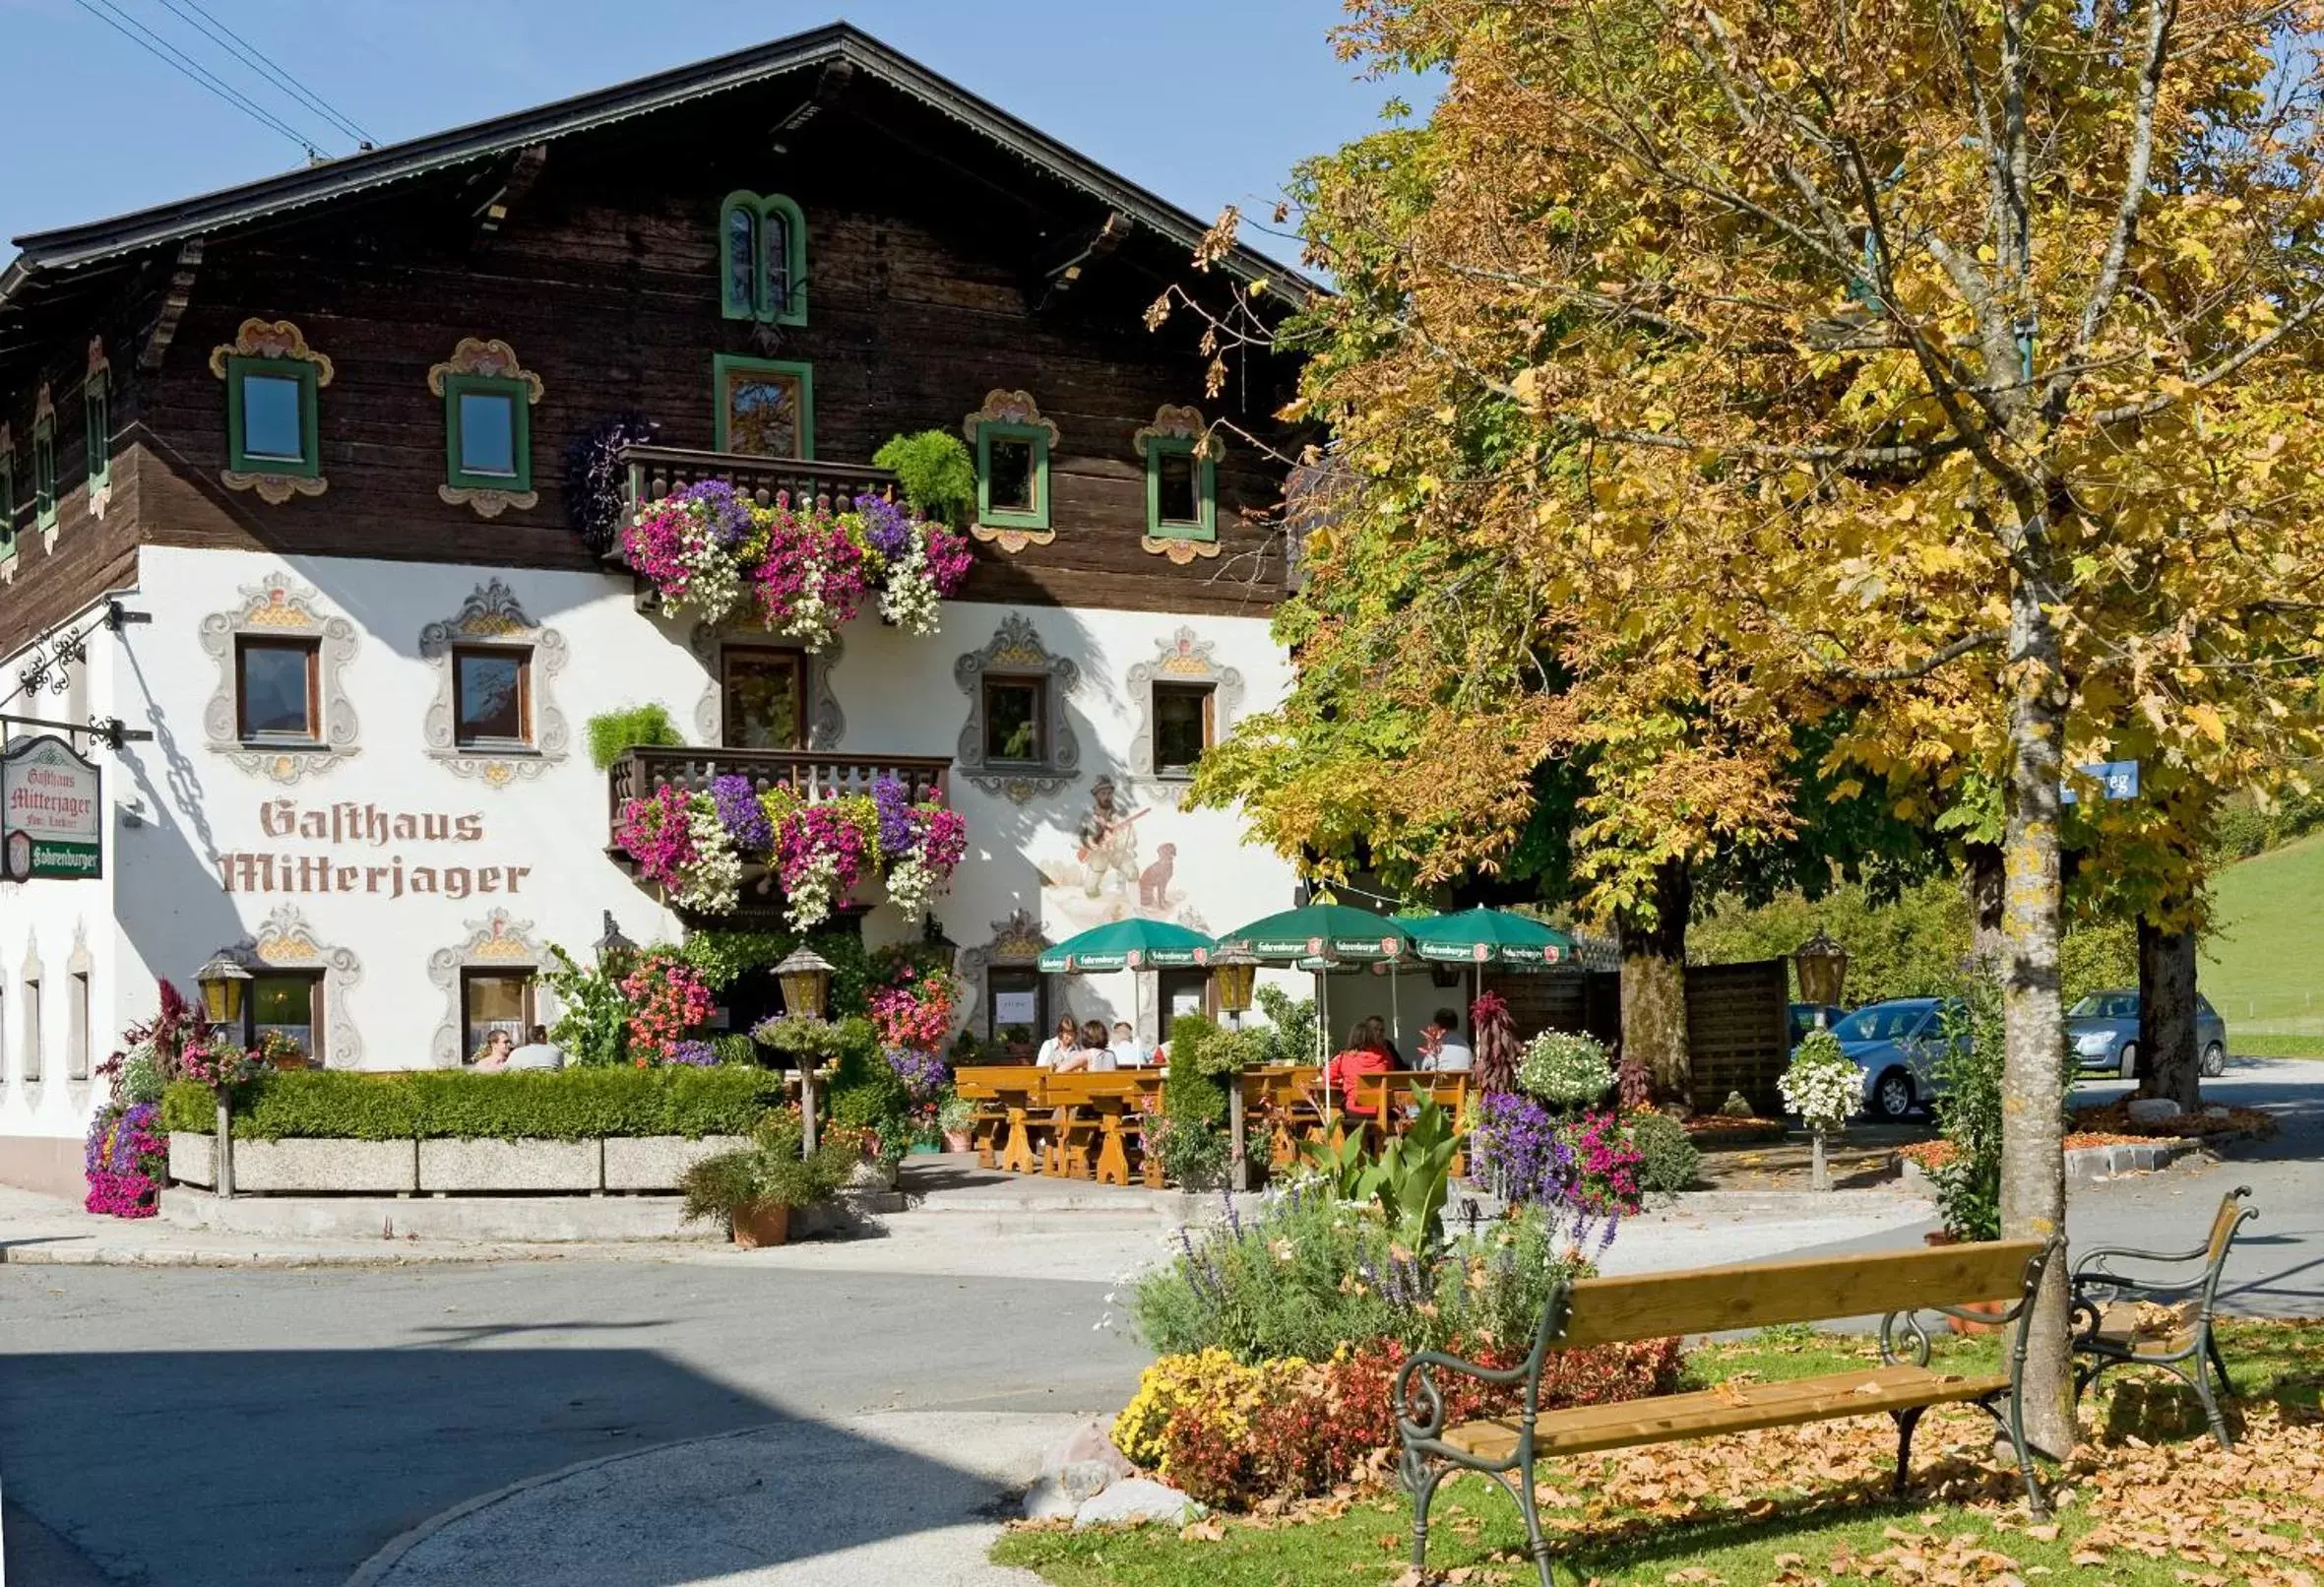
(808, 897)
(1822, 1086)
(714, 881)
(713, 579)
(910, 886)
(908, 598)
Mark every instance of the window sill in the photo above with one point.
(508, 748)
(283, 743)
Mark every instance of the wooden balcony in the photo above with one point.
(810, 773)
(656, 471)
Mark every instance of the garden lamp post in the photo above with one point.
(616, 952)
(1822, 964)
(222, 982)
(1234, 973)
(805, 979)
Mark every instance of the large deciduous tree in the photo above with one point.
(1952, 363)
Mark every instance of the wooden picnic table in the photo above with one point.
(1010, 1098)
(1097, 1107)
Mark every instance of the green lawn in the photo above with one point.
(2148, 1504)
(2263, 964)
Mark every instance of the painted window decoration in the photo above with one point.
(1183, 727)
(1019, 740)
(76, 1027)
(1013, 444)
(493, 717)
(494, 1001)
(274, 413)
(765, 704)
(45, 465)
(488, 398)
(280, 709)
(96, 413)
(763, 258)
(766, 407)
(275, 690)
(32, 1035)
(1181, 458)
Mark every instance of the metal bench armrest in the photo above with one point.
(1422, 1414)
(2100, 1255)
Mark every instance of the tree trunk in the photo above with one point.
(2033, 1078)
(2167, 1057)
(1982, 884)
(1653, 987)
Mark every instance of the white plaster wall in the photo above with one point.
(161, 909)
(52, 926)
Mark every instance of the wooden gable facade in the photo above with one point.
(949, 254)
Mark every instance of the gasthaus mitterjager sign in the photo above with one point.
(52, 811)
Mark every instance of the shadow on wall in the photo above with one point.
(296, 1466)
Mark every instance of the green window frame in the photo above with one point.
(748, 286)
(1037, 436)
(726, 365)
(44, 471)
(96, 410)
(7, 504)
(520, 401)
(1204, 524)
(308, 464)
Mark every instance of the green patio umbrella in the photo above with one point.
(1483, 936)
(1322, 934)
(1132, 945)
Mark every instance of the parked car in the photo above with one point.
(1895, 1043)
(1805, 1017)
(2103, 1030)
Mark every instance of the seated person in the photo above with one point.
(1058, 1045)
(1096, 1050)
(1127, 1054)
(1441, 1046)
(493, 1054)
(1366, 1055)
(537, 1053)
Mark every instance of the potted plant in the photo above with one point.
(756, 1187)
(1823, 1087)
(955, 1116)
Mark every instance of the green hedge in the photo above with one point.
(565, 1104)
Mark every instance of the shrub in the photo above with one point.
(1667, 1159)
(452, 1104)
(723, 956)
(1231, 1433)
(1967, 1069)
(938, 477)
(772, 1170)
(593, 1028)
(1581, 1169)
(634, 727)
(1567, 1069)
(1290, 1033)
(1190, 1094)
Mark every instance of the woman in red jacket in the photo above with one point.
(1366, 1053)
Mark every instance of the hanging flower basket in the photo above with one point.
(696, 846)
(798, 571)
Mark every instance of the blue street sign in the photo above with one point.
(2117, 780)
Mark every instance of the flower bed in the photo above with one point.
(694, 846)
(1586, 1163)
(1936, 1154)
(1233, 1434)
(2115, 1118)
(801, 570)
(127, 1159)
(567, 1105)
(1726, 1129)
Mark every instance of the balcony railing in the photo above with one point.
(810, 773)
(656, 471)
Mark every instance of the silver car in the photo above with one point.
(1895, 1043)
(2102, 1032)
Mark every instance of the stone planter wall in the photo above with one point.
(313, 1167)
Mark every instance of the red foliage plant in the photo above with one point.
(1497, 1049)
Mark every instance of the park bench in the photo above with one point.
(2160, 1316)
(1659, 1306)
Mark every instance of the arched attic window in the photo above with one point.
(763, 258)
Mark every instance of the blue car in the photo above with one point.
(1896, 1045)
(2103, 1030)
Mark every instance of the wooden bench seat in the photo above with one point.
(1739, 1408)
(1593, 1312)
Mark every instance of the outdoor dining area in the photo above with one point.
(1104, 1124)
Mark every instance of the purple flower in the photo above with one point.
(897, 837)
(885, 528)
(742, 814)
(924, 1073)
(699, 1054)
(729, 512)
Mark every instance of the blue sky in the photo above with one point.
(1205, 102)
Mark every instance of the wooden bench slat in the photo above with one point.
(1738, 1408)
(1758, 1294)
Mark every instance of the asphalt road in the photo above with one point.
(204, 1427)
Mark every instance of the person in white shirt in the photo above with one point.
(1127, 1054)
(1441, 1046)
(1056, 1046)
(537, 1053)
